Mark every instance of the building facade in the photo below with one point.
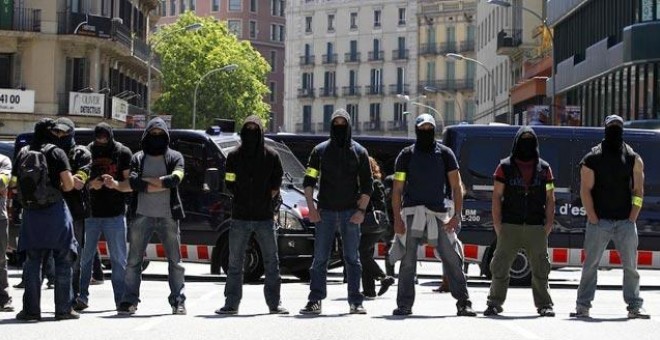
(353, 55)
(606, 58)
(262, 22)
(447, 85)
(77, 57)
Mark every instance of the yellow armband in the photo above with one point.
(400, 176)
(549, 186)
(311, 172)
(178, 173)
(637, 201)
(230, 177)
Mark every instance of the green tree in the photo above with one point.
(186, 56)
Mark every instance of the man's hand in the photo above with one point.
(314, 215)
(498, 229)
(110, 182)
(592, 219)
(548, 229)
(399, 227)
(452, 225)
(96, 184)
(358, 217)
(78, 183)
(156, 182)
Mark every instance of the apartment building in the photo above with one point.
(506, 37)
(446, 85)
(262, 22)
(84, 58)
(356, 55)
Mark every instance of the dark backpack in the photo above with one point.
(35, 189)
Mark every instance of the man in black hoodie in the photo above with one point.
(342, 166)
(523, 216)
(155, 174)
(253, 176)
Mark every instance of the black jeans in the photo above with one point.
(370, 269)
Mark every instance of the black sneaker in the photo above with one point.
(312, 307)
(20, 285)
(357, 309)
(546, 311)
(638, 313)
(493, 310)
(72, 315)
(126, 308)
(385, 284)
(580, 313)
(50, 285)
(402, 311)
(23, 316)
(278, 310)
(6, 307)
(226, 310)
(179, 309)
(369, 296)
(80, 305)
(465, 310)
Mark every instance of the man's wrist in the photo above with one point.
(362, 210)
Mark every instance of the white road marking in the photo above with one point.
(156, 321)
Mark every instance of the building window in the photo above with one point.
(399, 114)
(172, 7)
(192, 5)
(352, 110)
(235, 28)
(182, 6)
(354, 19)
(6, 62)
(277, 32)
(235, 5)
(215, 5)
(277, 8)
(307, 118)
(272, 96)
(77, 74)
(253, 6)
(331, 22)
(253, 29)
(273, 60)
(273, 32)
(374, 116)
(162, 8)
(402, 16)
(377, 14)
(281, 12)
(308, 24)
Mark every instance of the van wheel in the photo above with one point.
(253, 266)
(521, 270)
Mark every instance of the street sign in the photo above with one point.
(16, 101)
(119, 109)
(87, 104)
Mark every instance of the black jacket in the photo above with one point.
(80, 160)
(252, 177)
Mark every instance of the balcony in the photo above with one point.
(399, 89)
(352, 57)
(376, 56)
(351, 91)
(448, 47)
(508, 41)
(305, 93)
(447, 85)
(428, 49)
(397, 125)
(374, 125)
(400, 54)
(467, 46)
(23, 20)
(307, 60)
(329, 59)
(304, 127)
(328, 92)
(374, 90)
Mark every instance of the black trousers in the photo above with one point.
(371, 271)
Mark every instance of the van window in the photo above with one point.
(478, 160)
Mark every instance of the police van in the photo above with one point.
(479, 149)
(204, 231)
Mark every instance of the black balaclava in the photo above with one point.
(425, 139)
(613, 138)
(66, 142)
(526, 149)
(103, 149)
(339, 134)
(156, 145)
(252, 140)
(42, 134)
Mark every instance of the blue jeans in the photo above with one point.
(32, 276)
(140, 233)
(624, 235)
(324, 237)
(114, 230)
(239, 236)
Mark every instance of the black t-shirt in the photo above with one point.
(108, 202)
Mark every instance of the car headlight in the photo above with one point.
(289, 221)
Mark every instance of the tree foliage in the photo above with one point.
(186, 56)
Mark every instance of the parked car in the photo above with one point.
(652, 124)
(204, 231)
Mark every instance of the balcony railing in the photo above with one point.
(24, 20)
(330, 58)
(307, 60)
(352, 57)
(305, 93)
(376, 55)
(400, 54)
(397, 125)
(467, 45)
(447, 84)
(448, 47)
(304, 127)
(351, 91)
(374, 125)
(141, 49)
(428, 49)
(508, 40)
(328, 92)
(399, 89)
(374, 90)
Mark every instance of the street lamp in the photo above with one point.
(228, 68)
(433, 89)
(544, 22)
(457, 56)
(192, 27)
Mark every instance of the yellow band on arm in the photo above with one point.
(178, 173)
(230, 177)
(637, 201)
(83, 176)
(549, 186)
(400, 176)
(13, 180)
(311, 172)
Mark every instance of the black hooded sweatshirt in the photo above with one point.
(524, 197)
(173, 164)
(253, 172)
(343, 168)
